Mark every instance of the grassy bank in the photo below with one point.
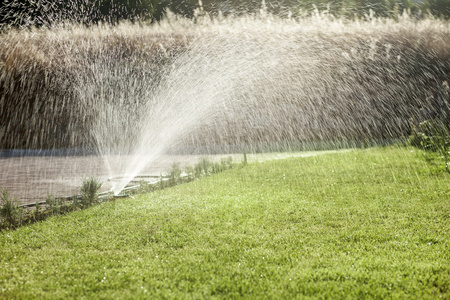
(365, 223)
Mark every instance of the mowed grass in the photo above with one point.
(358, 224)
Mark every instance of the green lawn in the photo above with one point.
(358, 224)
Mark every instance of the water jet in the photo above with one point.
(134, 95)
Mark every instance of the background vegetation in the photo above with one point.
(362, 79)
(25, 12)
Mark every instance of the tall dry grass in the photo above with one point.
(338, 79)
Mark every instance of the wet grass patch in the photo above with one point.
(358, 224)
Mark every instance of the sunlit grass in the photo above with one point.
(357, 224)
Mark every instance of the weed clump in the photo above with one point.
(89, 192)
(54, 205)
(12, 214)
(10, 211)
(226, 163)
(432, 134)
(144, 187)
(177, 175)
(205, 167)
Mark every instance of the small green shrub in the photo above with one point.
(227, 163)
(203, 168)
(89, 191)
(10, 210)
(36, 211)
(216, 168)
(432, 136)
(223, 165)
(429, 136)
(144, 187)
(54, 205)
(175, 174)
(162, 183)
(190, 173)
(198, 170)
